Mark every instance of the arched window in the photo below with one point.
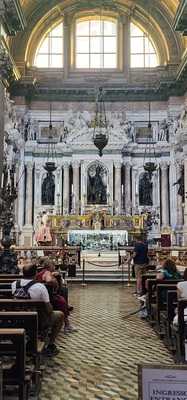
(50, 51)
(143, 53)
(96, 44)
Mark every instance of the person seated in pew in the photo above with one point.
(51, 278)
(38, 292)
(168, 270)
(182, 295)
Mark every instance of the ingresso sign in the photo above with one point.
(162, 382)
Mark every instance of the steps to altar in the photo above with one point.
(101, 267)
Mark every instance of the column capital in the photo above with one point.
(66, 164)
(75, 164)
(164, 165)
(29, 165)
(127, 164)
(117, 164)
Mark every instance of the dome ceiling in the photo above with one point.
(40, 13)
(31, 6)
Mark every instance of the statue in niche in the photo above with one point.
(48, 190)
(145, 190)
(97, 187)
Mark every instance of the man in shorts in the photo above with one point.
(38, 292)
(140, 257)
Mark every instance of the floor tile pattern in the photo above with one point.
(99, 362)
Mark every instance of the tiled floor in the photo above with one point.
(99, 362)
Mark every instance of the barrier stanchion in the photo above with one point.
(122, 270)
(83, 273)
(129, 273)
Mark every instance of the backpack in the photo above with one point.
(21, 292)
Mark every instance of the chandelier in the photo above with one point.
(149, 163)
(50, 165)
(100, 123)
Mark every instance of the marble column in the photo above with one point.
(16, 180)
(75, 166)
(117, 166)
(66, 189)
(179, 199)
(134, 189)
(127, 188)
(29, 194)
(164, 195)
(37, 186)
(178, 206)
(21, 189)
(173, 193)
(58, 190)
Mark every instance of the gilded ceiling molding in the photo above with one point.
(12, 16)
(8, 70)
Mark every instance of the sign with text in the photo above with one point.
(162, 382)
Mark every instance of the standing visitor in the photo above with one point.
(140, 257)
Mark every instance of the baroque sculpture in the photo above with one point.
(97, 187)
(48, 190)
(145, 190)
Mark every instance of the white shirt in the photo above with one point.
(37, 292)
(182, 286)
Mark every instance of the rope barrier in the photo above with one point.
(100, 265)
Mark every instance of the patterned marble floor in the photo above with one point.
(99, 362)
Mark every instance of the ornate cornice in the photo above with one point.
(180, 21)
(12, 16)
(8, 70)
(113, 94)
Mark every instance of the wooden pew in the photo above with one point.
(29, 321)
(13, 342)
(161, 302)
(9, 280)
(180, 332)
(145, 277)
(151, 294)
(171, 304)
(24, 305)
(11, 276)
(5, 290)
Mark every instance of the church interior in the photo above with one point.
(93, 198)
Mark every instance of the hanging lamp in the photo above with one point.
(50, 165)
(100, 123)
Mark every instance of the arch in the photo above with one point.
(170, 45)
